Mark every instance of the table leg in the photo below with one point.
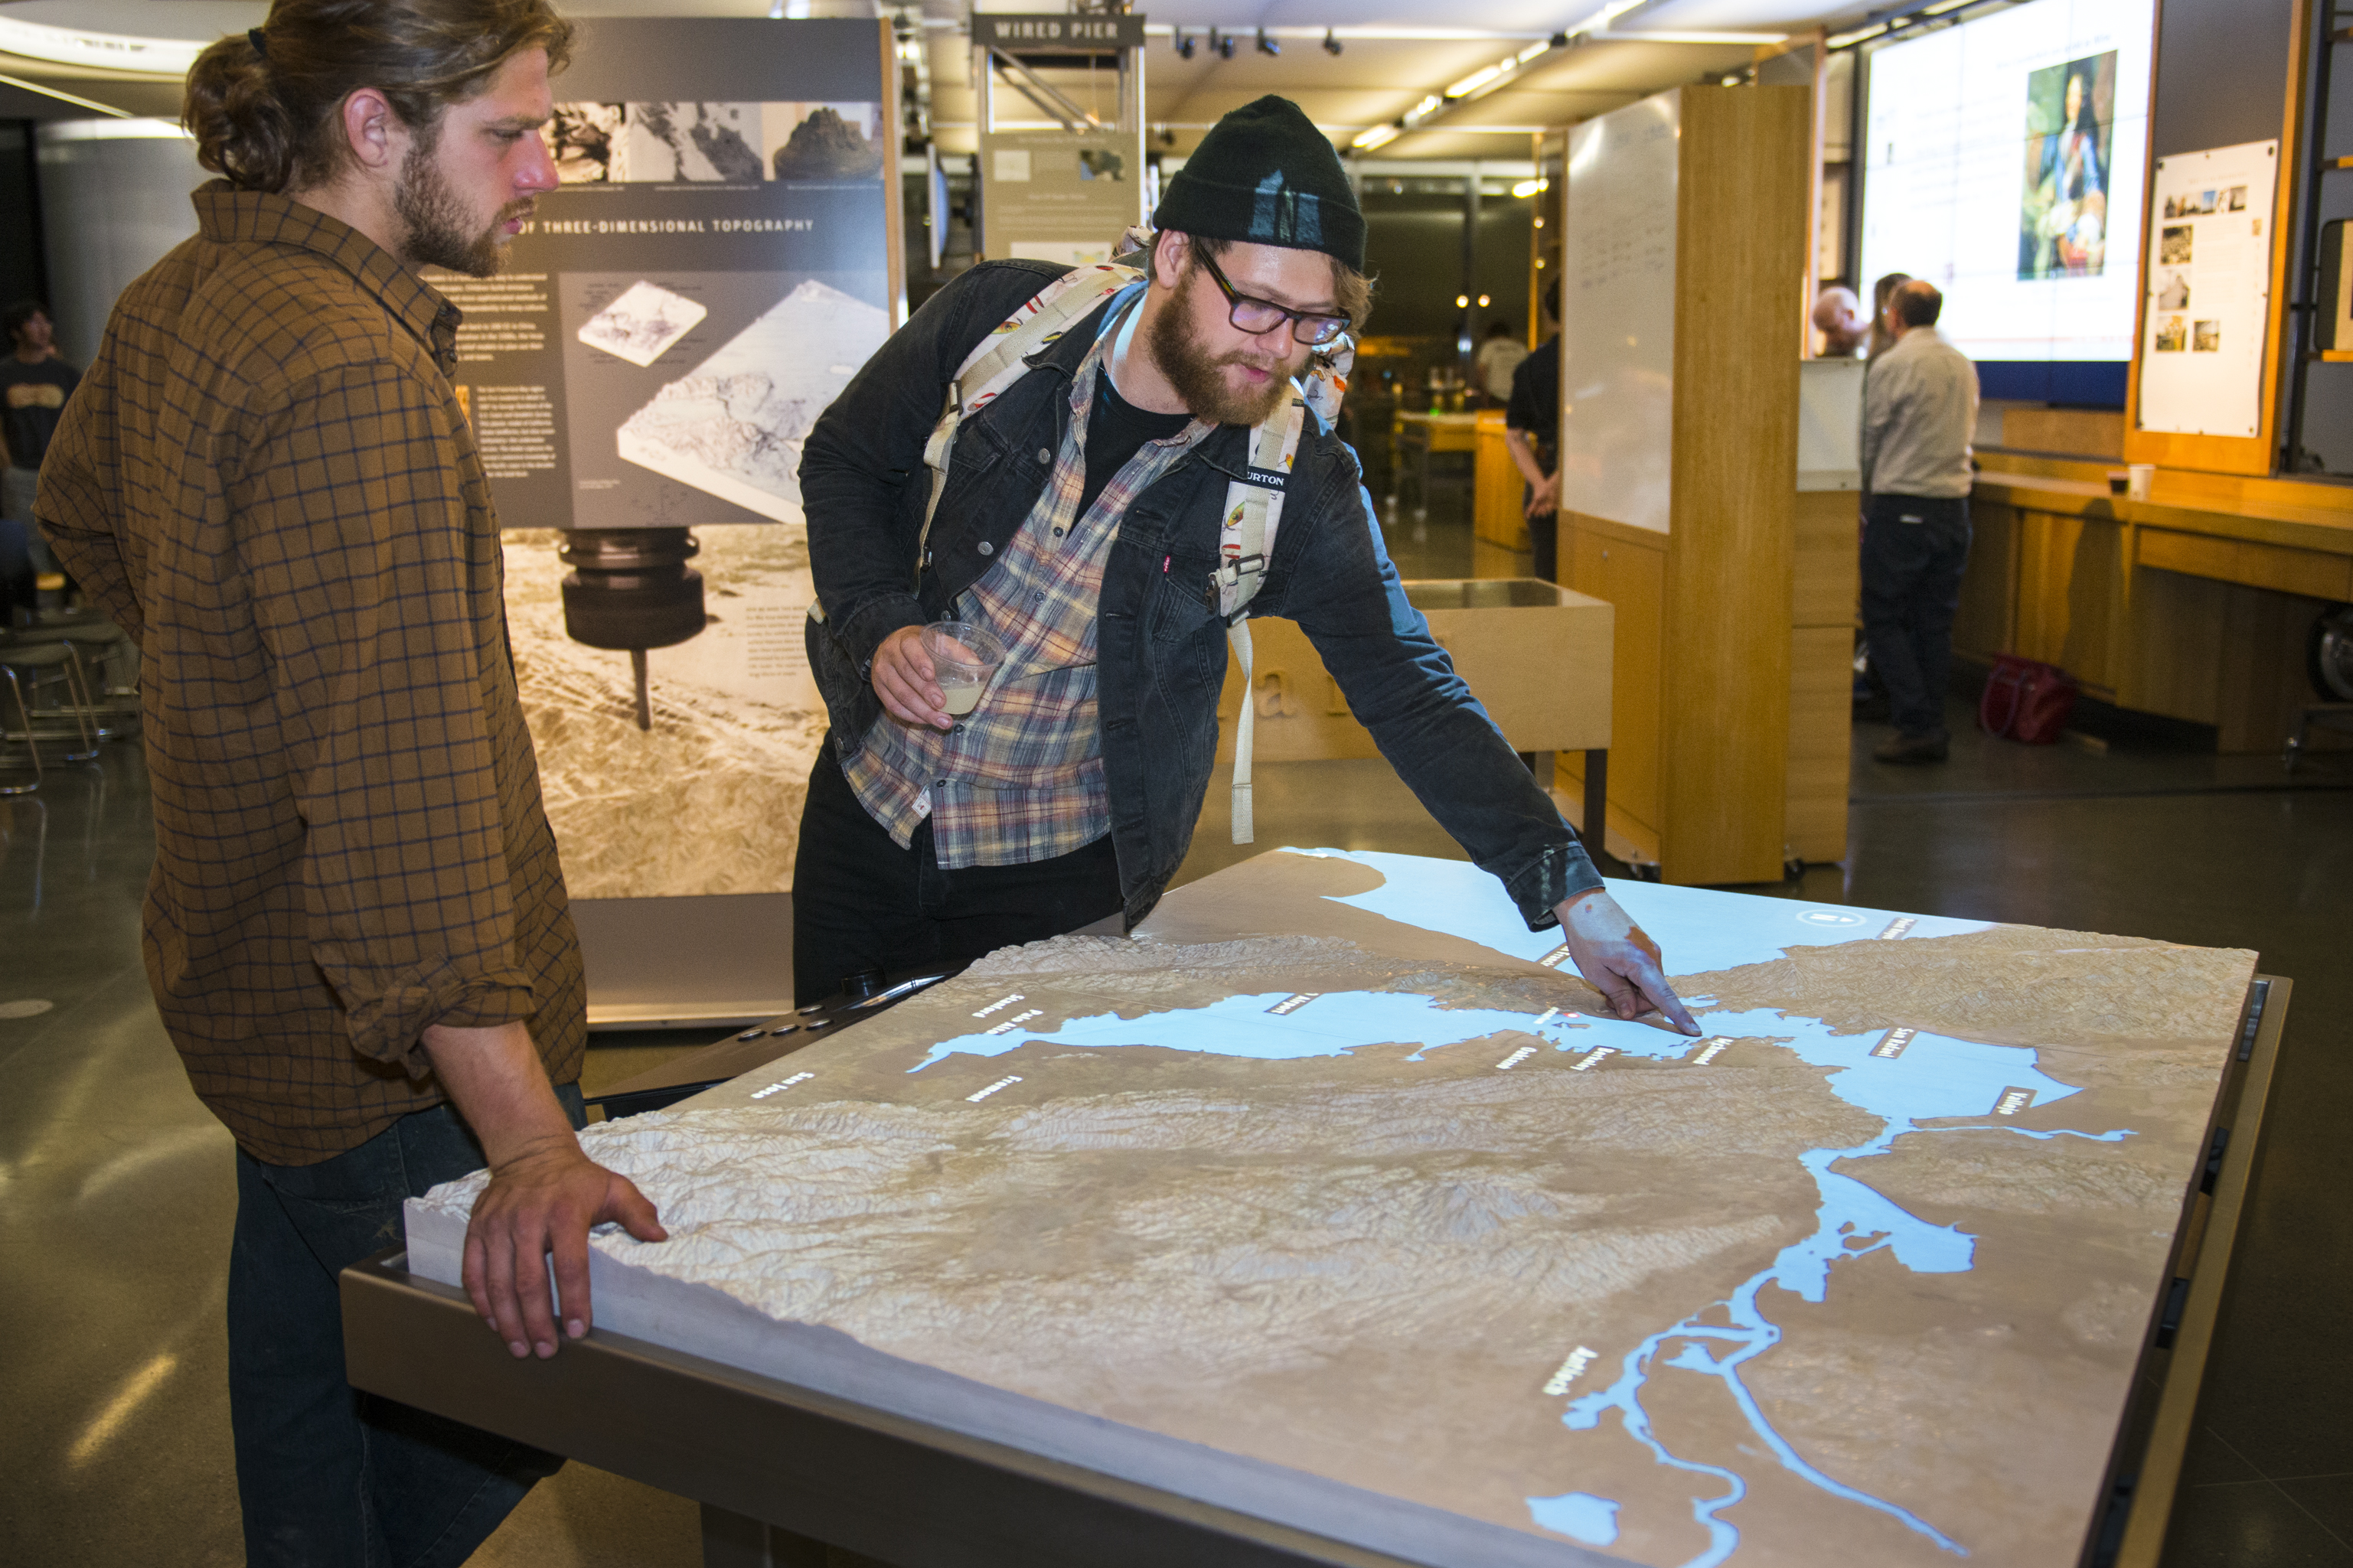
(1596, 832)
(732, 1541)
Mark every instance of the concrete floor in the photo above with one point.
(116, 1192)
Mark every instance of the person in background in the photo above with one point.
(35, 383)
(1532, 433)
(1881, 338)
(356, 930)
(1838, 316)
(1919, 411)
(1499, 356)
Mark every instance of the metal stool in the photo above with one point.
(2328, 716)
(36, 665)
(109, 668)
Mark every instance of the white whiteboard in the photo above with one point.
(1618, 319)
(1830, 424)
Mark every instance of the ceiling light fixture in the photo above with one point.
(1528, 188)
(1331, 42)
(1379, 136)
(1185, 46)
(1224, 45)
(1266, 46)
(1463, 301)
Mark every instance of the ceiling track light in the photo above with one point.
(1185, 46)
(1331, 42)
(1266, 46)
(1223, 44)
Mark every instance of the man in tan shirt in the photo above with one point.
(356, 930)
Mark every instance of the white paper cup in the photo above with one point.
(2138, 478)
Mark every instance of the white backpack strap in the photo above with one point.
(1001, 358)
(1253, 514)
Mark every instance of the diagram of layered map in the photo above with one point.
(733, 425)
(1335, 1194)
(641, 325)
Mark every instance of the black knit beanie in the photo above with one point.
(1265, 175)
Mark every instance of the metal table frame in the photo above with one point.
(753, 1450)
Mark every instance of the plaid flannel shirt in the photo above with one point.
(267, 480)
(1020, 779)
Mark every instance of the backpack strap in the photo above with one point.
(1246, 541)
(1002, 358)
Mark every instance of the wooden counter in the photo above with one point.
(2195, 603)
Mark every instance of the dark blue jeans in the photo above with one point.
(1913, 550)
(861, 902)
(328, 1476)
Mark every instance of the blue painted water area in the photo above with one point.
(1580, 1516)
(1698, 929)
(1330, 1025)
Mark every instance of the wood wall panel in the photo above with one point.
(2071, 596)
(1821, 689)
(1826, 559)
(1740, 228)
(1987, 622)
(2312, 574)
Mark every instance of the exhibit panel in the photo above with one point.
(1866, 1274)
(720, 258)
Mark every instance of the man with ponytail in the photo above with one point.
(356, 930)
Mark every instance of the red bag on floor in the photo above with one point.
(2026, 701)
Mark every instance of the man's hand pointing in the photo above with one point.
(1619, 959)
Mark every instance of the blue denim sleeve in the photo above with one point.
(1345, 594)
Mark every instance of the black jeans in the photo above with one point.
(861, 902)
(1914, 548)
(328, 1476)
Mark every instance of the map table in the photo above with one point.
(1331, 1220)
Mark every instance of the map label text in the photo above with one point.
(1900, 926)
(781, 1084)
(1892, 1046)
(1570, 1370)
(2012, 1102)
(1598, 1055)
(1711, 1048)
(1515, 1058)
(1294, 1004)
(1556, 958)
(1002, 1083)
(998, 1006)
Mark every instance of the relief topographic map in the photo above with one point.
(1383, 1198)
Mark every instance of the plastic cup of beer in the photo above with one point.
(964, 658)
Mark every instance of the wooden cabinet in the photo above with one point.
(1680, 489)
(1498, 492)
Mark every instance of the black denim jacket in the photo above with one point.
(1161, 644)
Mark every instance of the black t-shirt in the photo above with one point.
(31, 398)
(1536, 395)
(1116, 430)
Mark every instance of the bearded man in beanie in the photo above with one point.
(1078, 519)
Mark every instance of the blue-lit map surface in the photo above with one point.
(1337, 1166)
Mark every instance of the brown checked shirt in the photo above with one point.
(267, 479)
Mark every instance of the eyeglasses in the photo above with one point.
(1257, 316)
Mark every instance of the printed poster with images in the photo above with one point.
(2209, 304)
(714, 266)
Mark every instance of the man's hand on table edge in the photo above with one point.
(542, 1202)
(544, 1195)
(905, 679)
(1619, 959)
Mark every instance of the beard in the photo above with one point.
(435, 228)
(1199, 374)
